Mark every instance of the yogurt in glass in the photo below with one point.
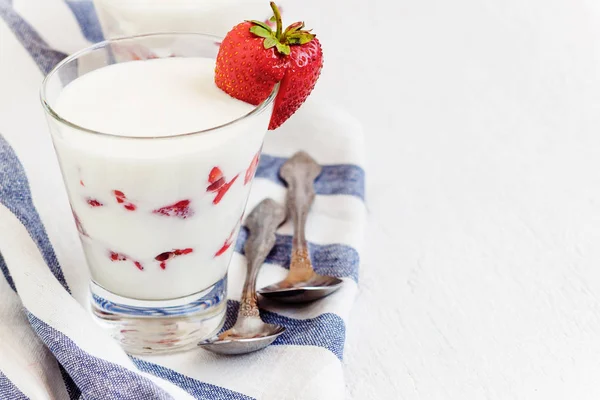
(158, 164)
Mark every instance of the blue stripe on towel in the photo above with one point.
(326, 330)
(16, 196)
(45, 57)
(6, 274)
(95, 377)
(199, 390)
(71, 387)
(335, 179)
(9, 391)
(85, 13)
(330, 259)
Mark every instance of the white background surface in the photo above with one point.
(481, 278)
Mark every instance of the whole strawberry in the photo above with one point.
(253, 58)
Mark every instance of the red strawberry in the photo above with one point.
(216, 179)
(253, 58)
(117, 257)
(224, 190)
(120, 196)
(93, 202)
(215, 174)
(80, 228)
(215, 186)
(122, 257)
(122, 199)
(163, 257)
(304, 68)
(244, 68)
(182, 252)
(223, 248)
(252, 168)
(180, 209)
(227, 244)
(229, 241)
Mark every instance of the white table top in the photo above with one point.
(481, 275)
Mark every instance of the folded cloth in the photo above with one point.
(51, 348)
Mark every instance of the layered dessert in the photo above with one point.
(157, 205)
(158, 138)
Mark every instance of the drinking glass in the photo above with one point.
(158, 217)
(120, 18)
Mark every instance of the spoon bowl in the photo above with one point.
(317, 287)
(240, 343)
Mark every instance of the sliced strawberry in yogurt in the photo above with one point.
(223, 190)
(78, 224)
(229, 241)
(93, 202)
(181, 209)
(122, 199)
(215, 186)
(167, 255)
(215, 174)
(252, 168)
(116, 257)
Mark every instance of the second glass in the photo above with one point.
(216, 17)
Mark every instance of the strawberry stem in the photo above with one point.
(278, 21)
(281, 40)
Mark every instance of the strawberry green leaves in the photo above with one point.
(293, 34)
(261, 31)
(283, 48)
(300, 38)
(261, 24)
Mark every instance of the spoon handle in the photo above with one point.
(300, 172)
(262, 222)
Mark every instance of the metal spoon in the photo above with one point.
(250, 333)
(302, 283)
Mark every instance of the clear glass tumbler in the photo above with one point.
(158, 217)
(120, 18)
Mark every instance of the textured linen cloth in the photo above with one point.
(50, 346)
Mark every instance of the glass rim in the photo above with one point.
(48, 109)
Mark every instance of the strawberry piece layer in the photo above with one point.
(93, 202)
(115, 257)
(252, 168)
(181, 209)
(224, 189)
(167, 255)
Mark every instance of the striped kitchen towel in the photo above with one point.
(50, 347)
